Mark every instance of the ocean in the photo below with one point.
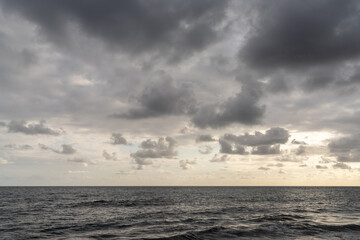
(179, 213)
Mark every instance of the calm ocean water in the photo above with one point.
(179, 213)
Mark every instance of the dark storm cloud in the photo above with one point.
(117, 139)
(32, 128)
(65, 149)
(174, 28)
(291, 33)
(271, 136)
(186, 164)
(266, 150)
(18, 147)
(162, 98)
(243, 108)
(163, 148)
(205, 138)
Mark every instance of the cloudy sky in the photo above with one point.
(179, 92)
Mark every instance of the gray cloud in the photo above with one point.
(221, 158)
(229, 148)
(18, 147)
(65, 149)
(346, 149)
(271, 136)
(303, 33)
(117, 139)
(175, 28)
(109, 156)
(80, 161)
(163, 148)
(266, 149)
(262, 144)
(205, 138)
(264, 168)
(2, 124)
(205, 149)
(301, 150)
(32, 128)
(341, 165)
(162, 98)
(186, 164)
(291, 158)
(321, 167)
(243, 108)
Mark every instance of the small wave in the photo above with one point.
(339, 228)
(220, 232)
(122, 203)
(278, 217)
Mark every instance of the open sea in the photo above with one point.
(179, 213)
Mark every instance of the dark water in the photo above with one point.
(179, 213)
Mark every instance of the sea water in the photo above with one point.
(179, 213)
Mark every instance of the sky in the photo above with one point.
(179, 92)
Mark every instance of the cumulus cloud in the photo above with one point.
(175, 28)
(229, 148)
(18, 147)
(117, 139)
(160, 99)
(32, 128)
(341, 165)
(303, 33)
(243, 108)
(109, 156)
(163, 148)
(187, 164)
(205, 138)
(205, 149)
(266, 149)
(65, 149)
(271, 136)
(262, 143)
(220, 158)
